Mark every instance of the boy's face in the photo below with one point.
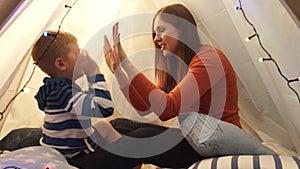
(71, 59)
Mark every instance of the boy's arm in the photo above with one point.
(98, 97)
(97, 101)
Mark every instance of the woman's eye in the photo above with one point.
(160, 30)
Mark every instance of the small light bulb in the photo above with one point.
(48, 167)
(46, 34)
(26, 90)
(247, 39)
(237, 7)
(261, 59)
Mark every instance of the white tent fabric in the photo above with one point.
(268, 108)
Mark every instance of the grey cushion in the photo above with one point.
(20, 138)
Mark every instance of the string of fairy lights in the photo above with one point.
(269, 56)
(24, 88)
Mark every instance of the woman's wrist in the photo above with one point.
(121, 77)
(129, 68)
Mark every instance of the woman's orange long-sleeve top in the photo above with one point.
(209, 87)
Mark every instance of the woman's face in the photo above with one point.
(167, 37)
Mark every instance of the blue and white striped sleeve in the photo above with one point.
(97, 102)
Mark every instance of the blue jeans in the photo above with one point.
(211, 137)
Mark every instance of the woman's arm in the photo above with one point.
(112, 58)
(203, 74)
(139, 104)
(185, 97)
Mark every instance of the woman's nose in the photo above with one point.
(157, 38)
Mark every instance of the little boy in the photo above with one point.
(68, 109)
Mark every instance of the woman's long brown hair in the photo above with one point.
(170, 70)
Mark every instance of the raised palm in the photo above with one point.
(114, 55)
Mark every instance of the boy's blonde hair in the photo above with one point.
(56, 45)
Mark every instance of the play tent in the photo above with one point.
(269, 108)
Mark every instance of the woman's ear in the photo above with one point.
(59, 64)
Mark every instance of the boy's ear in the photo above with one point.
(59, 64)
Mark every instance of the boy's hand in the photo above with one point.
(87, 64)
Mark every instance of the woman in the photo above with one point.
(189, 75)
(195, 82)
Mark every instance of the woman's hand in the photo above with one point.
(111, 57)
(117, 44)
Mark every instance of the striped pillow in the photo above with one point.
(249, 162)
